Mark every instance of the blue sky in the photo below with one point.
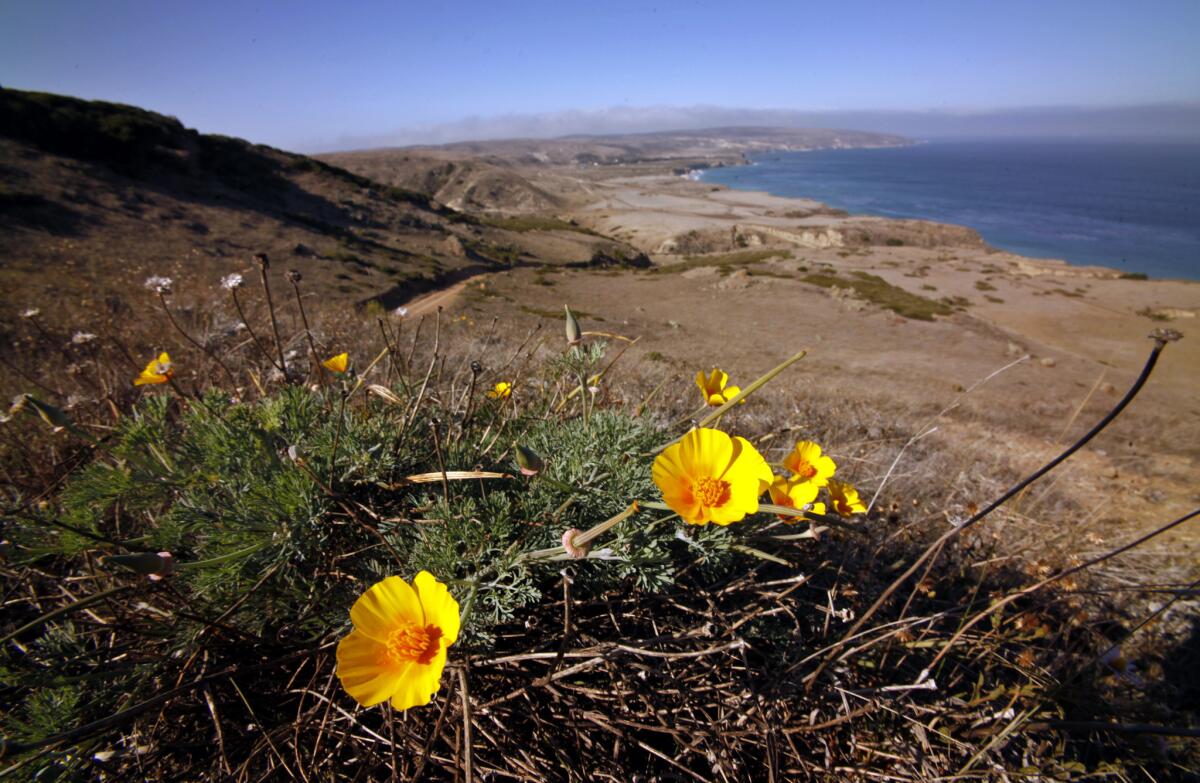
(307, 75)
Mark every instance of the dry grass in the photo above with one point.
(711, 680)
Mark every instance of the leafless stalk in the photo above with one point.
(1056, 577)
(1161, 338)
(263, 264)
(294, 277)
(249, 329)
(465, 693)
(207, 352)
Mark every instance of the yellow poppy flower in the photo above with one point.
(501, 391)
(807, 463)
(337, 363)
(713, 387)
(397, 649)
(793, 494)
(157, 371)
(845, 499)
(708, 476)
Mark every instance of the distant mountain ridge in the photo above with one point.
(526, 175)
(726, 143)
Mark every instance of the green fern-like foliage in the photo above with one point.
(280, 512)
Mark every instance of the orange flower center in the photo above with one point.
(805, 469)
(711, 492)
(413, 643)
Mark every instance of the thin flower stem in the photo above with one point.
(315, 479)
(337, 436)
(583, 401)
(82, 603)
(210, 354)
(312, 346)
(30, 378)
(387, 343)
(437, 448)
(466, 419)
(78, 530)
(222, 558)
(584, 538)
(246, 322)
(413, 349)
(1189, 592)
(465, 694)
(262, 269)
(362, 377)
(1161, 338)
(175, 388)
(468, 603)
(1056, 577)
(412, 414)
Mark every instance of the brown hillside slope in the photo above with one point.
(97, 196)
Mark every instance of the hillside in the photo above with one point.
(726, 145)
(97, 196)
(538, 175)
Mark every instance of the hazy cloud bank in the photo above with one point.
(1165, 121)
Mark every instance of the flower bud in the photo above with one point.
(262, 260)
(573, 332)
(294, 275)
(150, 564)
(384, 393)
(529, 461)
(48, 413)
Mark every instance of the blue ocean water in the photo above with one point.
(1133, 206)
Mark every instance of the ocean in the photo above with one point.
(1133, 206)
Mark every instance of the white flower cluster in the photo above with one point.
(231, 282)
(82, 338)
(159, 284)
